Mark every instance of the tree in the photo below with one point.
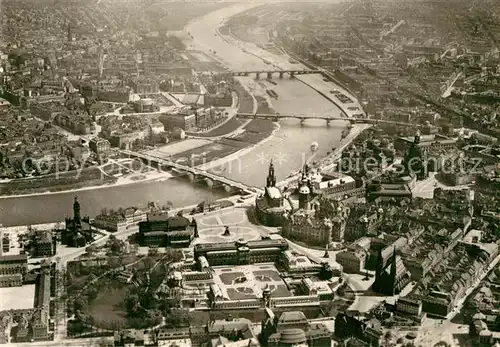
(154, 317)
(91, 294)
(81, 304)
(113, 262)
(152, 252)
(132, 303)
(148, 263)
(326, 272)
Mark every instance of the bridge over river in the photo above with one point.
(193, 174)
(353, 120)
(270, 73)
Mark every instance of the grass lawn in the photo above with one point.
(241, 294)
(268, 273)
(107, 307)
(226, 128)
(228, 278)
(281, 292)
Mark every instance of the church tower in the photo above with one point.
(379, 269)
(271, 177)
(304, 193)
(392, 285)
(76, 213)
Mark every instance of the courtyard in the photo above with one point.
(211, 228)
(248, 281)
(17, 298)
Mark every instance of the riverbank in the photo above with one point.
(121, 181)
(220, 163)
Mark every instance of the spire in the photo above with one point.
(271, 177)
(380, 264)
(393, 271)
(76, 212)
(417, 138)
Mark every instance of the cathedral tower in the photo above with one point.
(76, 212)
(271, 177)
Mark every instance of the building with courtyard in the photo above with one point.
(241, 252)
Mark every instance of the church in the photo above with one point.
(78, 231)
(270, 206)
(392, 276)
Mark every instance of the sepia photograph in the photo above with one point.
(250, 173)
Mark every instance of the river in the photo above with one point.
(288, 148)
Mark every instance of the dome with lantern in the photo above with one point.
(304, 190)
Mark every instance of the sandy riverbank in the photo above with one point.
(122, 181)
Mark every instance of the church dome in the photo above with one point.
(293, 336)
(304, 190)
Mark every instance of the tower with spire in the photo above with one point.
(77, 220)
(271, 177)
(78, 231)
(392, 277)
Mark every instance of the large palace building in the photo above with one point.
(241, 252)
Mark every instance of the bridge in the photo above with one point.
(270, 73)
(353, 120)
(193, 174)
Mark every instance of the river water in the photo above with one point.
(288, 148)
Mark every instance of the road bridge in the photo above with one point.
(194, 175)
(271, 73)
(353, 120)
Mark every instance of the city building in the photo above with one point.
(40, 320)
(347, 326)
(99, 146)
(293, 329)
(45, 244)
(13, 268)
(120, 220)
(353, 258)
(428, 142)
(391, 277)
(78, 231)
(241, 252)
(160, 230)
(270, 207)
(184, 119)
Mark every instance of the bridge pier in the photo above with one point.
(302, 120)
(292, 74)
(209, 182)
(281, 74)
(275, 119)
(257, 75)
(269, 75)
(191, 177)
(227, 188)
(328, 121)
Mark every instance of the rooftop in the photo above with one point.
(17, 298)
